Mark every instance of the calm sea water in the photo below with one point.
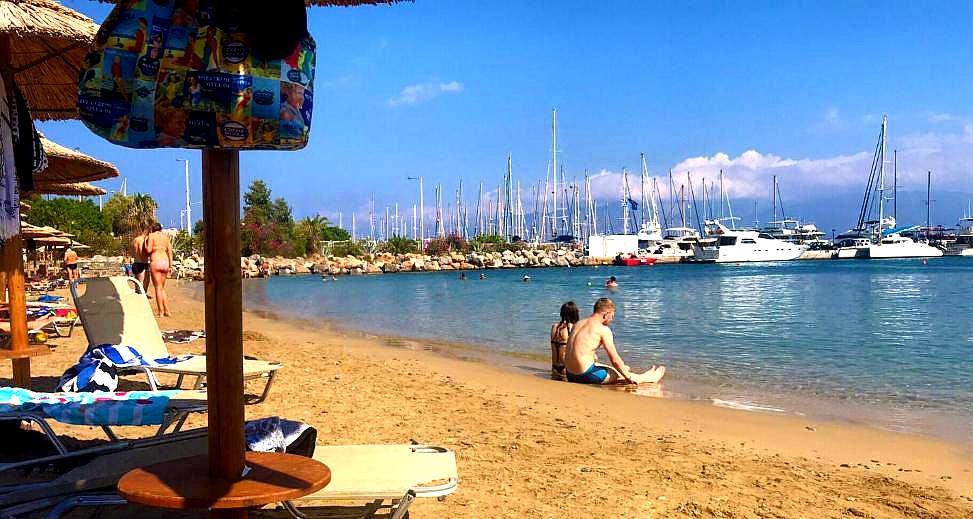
(883, 342)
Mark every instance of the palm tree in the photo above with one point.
(310, 228)
(141, 214)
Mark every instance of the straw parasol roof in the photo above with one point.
(53, 240)
(77, 188)
(32, 231)
(66, 166)
(48, 43)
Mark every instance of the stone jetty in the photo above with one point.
(386, 263)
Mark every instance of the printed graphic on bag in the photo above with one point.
(181, 74)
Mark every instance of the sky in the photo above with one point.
(448, 89)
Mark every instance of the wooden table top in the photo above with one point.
(185, 483)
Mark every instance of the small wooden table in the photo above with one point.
(185, 483)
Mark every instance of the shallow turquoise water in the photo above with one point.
(885, 342)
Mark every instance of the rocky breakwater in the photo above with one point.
(386, 263)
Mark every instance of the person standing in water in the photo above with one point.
(591, 333)
(159, 249)
(560, 332)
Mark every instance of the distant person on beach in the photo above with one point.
(159, 249)
(71, 263)
(591, 333)
(127, 265)
(560, 332)
(612, 282)
(140, 259)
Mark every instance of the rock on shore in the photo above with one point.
(413, 262)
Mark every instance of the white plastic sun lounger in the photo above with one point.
(114, 310)
(385, 476)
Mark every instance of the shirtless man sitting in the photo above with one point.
(592, 333)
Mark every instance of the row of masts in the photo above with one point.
(553, 209)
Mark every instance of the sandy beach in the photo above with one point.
(531, 447)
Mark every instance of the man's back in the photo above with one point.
(70, 257)
(586, 337)
(138, 249)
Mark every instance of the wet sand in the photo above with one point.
(530, 447)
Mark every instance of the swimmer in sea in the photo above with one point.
(612, 282)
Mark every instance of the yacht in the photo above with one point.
(793, 231)
(963, 246)
(852, 244)
(894, 245)
(678, 244)
(736, 246)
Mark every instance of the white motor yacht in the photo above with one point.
(734, 246)
(897, 246)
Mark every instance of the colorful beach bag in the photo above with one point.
(201, 74)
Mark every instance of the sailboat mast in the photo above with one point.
(554, 169)
(642, 188)
(895, 185)
(881, 180)
(928, 201)
(625, 197)
(773, 198)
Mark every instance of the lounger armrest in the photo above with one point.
(444, 489)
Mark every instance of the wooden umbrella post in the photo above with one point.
(12, 262)
(224, 317)
(13, 265)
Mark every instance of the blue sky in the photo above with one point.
(448, 89)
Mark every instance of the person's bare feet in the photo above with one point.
(649, 377)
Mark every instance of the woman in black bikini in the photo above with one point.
(559, 339)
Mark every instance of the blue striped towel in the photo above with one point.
(97, 369)
(96, 408)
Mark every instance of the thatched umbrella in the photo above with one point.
(47, 45)
(223, 303)
(42, 50)
(75, 188)
(67, 166)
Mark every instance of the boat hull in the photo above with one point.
(638, 261)
(907, 250)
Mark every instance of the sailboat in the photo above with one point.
(650, 230)
(884, 239)
(790, 229)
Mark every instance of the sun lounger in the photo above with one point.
(55, 318)
(80, 474)
(386, 476)
(114, 310)
(106, 410)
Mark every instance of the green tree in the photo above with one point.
(116, 211)
(78, 217)
(399, 245)
(141, 214)
(257, 201)
(334, 234)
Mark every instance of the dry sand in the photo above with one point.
(530, 447)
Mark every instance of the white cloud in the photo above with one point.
(421, 92)
(833, 119)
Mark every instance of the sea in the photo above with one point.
(888, 343)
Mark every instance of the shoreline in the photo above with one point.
(895, 454)
(470, 358)
(931, 423)
(530, 447)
